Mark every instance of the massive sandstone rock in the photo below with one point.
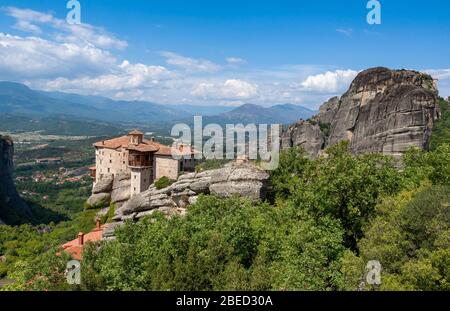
(384, 111)
(306, 135)
(11, 204)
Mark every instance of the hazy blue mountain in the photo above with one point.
(19, 100)
(250, 113)
(204, 110)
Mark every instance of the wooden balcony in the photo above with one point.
(140, 161)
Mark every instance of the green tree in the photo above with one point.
(409, 236)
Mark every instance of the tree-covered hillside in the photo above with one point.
(325, 219)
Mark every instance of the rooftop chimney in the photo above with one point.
(152, 139)
(80, 238)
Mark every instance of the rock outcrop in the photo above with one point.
(383, 111)
(13, 209)
(305, 134)
(244, 180)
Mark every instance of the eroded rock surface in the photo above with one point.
(244, 180)
(384, 111)
(12, 207)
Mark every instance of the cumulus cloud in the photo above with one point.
(126, 79)
(190, 64)
(329, 82)
(232, 89)
(36, 57)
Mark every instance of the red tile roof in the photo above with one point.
(135, 132)
(145, 146)
(124, 142)
(75, 249)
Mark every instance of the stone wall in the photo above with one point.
(166, 166)
(110, 161)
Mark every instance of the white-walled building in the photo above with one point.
(146, 160)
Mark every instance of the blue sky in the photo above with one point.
(219, 52)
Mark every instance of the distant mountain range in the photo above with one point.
(19, 100)
(250, 113)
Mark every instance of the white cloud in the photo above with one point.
(25, 18)
(345, 31)
(329, 82)
(36, 57)
(31, 21)
(190, 64)
(232, 89)
(235, 61)
(440, 74)
(127, 78)
(443, 77)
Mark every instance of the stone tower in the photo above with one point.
(140, 163)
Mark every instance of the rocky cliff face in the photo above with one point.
(384, 111)
(12, 208)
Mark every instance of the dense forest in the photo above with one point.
(322, 221)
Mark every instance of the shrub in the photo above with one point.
(163, 182)
(210, 165)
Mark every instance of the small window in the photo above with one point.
(134, 176)
(134, 189)
(109, 170)
(110, 161)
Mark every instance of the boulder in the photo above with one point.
(187, 176)
(247, 173)
(180, 186)
(120, 195)
(99, 200)
(121, 190)
(216, 175)
(251, 189)
(103, 185)
(137, 203)
(201, 185)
